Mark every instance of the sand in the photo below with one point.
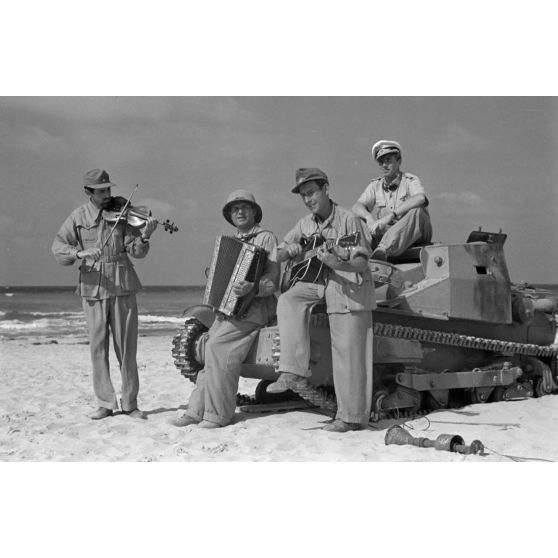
(46, 394)
(72, 486)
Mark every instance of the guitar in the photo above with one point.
(307, 267)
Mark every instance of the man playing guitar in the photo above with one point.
(345, 284)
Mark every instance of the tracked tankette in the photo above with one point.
(450, 328)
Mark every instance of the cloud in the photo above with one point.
(460, 198)
(457, 138)
(111, 110)
(29, 138)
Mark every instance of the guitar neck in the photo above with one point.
(314, 252)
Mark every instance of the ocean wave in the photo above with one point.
(71, 322)
(44, 323)
(160, 319)
(69, 314)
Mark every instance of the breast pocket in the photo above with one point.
(89, 236)
(379, 209)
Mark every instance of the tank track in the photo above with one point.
(319, 398)
(184, 348)
(466, 341)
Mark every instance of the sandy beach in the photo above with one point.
(46, 395)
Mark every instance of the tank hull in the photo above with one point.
(449, 328)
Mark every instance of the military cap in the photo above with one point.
(97, 178)
(307, 175)
(385, 147)
(241, 196)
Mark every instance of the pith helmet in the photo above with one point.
(242, 196)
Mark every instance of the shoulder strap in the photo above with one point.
(249, 237)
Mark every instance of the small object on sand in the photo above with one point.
(444, 442)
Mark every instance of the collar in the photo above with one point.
(394, 184)
(92, 213)
(246, 236)
(328, 219)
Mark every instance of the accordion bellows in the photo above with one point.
(233, 260)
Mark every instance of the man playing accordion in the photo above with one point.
(212, 403)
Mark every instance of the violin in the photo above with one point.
(135, 215)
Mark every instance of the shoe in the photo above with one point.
(101, 413)
(136, 414)
(341, 426)
(184, 420)
(208, 424)
(285, 382)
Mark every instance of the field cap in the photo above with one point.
(97, 178)
(302, 176)
(385, 147)
(241, 196)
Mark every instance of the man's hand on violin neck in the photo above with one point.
(94, 253)
(150, 226)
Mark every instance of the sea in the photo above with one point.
(57, 311)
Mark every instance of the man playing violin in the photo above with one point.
(107, 284)
(345, 285)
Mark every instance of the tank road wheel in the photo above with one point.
(513, 392)
(544, 384)
(498, 394)
(437, 399)
(541, 374)
(187, 355)
(480, 395)
(377, 400)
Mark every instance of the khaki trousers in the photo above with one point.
(351, 349)
(413, 228)
(120, 314)
(228, 344)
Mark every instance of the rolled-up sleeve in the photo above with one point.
(368, 197)
(269, 281)
(134, 244)
(293, 236)
(66, 245)
(415, 186)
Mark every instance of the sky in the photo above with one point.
(485, 162)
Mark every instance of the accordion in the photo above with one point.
(233, 260)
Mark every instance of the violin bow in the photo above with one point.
(121, 212)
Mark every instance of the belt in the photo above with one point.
(115, 258)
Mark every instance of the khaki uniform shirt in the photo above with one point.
(346, 291)
(114, 273)
(383, 198)
(264, 305)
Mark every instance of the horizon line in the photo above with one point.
(74, 286)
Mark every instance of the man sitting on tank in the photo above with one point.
(212, 404)
(394, 206)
